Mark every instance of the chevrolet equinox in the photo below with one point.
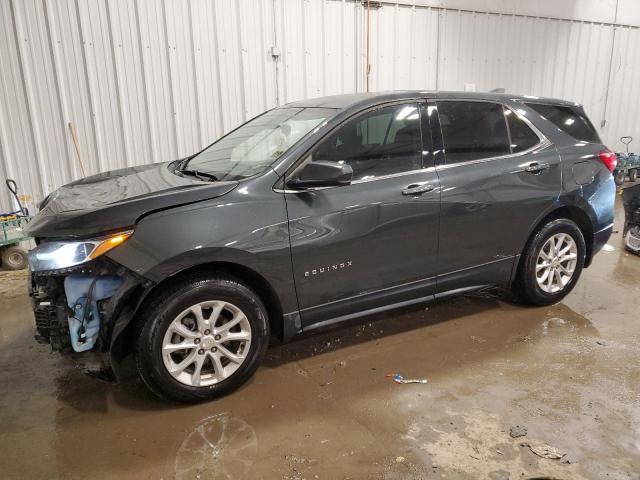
(311, 214)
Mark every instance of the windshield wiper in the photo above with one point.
(200, 175)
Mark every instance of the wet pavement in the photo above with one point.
(322, 407)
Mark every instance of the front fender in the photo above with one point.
(247, 227)
(135, 294)
(276, 273)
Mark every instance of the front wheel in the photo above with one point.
(201, 339)
(619, 177)
(633, 175)
(551, 263)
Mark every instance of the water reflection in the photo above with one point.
(219, 447)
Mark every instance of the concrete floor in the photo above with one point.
(323, 408)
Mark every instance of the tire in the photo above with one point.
(619, 177)
(14, 258)
(165, 315)
(633, 175)
(527, 286)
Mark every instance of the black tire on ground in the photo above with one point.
(526, 286)
(14, 258)
(619, 177)
(633, 175)
(167, 305)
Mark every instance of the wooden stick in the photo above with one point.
(74, 135)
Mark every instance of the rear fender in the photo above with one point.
(575, 208)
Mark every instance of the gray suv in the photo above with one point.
(311, 214)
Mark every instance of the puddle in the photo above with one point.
(323, 405)
(220, 447)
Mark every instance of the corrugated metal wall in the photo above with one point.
(153, 80)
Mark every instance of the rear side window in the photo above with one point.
(568, 120)
(522, 137)
(473, 130)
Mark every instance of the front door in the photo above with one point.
(373, 242)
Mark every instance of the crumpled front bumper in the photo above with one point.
(100, 314)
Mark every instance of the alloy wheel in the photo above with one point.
(206, 343)
(556, 263)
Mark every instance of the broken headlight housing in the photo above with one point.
(58, 254)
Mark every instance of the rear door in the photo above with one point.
(374, 242)
(498, 177)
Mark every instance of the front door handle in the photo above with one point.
(417, 189)
(536, 167)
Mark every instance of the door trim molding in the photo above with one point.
(369, 311)
(377, 300)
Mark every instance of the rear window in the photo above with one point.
(568, 120)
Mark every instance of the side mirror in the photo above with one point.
(321, 173)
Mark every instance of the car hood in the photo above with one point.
(117, 199)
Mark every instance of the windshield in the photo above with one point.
(258, 143)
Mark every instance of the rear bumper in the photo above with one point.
(600, 238)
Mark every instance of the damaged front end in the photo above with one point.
(82, 301)
(631, 232)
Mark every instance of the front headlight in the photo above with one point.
(61, 254)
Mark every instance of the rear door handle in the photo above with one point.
(418, 189)
(536, 167)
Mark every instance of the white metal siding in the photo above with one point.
(526, 55)
(404, 48)
(623, 107)
(153, 80)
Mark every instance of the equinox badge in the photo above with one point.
(328, 268)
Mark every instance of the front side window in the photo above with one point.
(378, 143)
(473, 130)
(522, 137)
(257, 144)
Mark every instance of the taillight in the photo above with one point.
(609, 159)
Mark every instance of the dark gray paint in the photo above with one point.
(467, 232)
(117, 199)
(371, 227)
(488, 207)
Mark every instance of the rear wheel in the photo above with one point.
(14, 258)
(633, 175)
(551, 263)
(202, 339)
(619, 177)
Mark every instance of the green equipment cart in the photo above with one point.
(12, 232)
(628, 164)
